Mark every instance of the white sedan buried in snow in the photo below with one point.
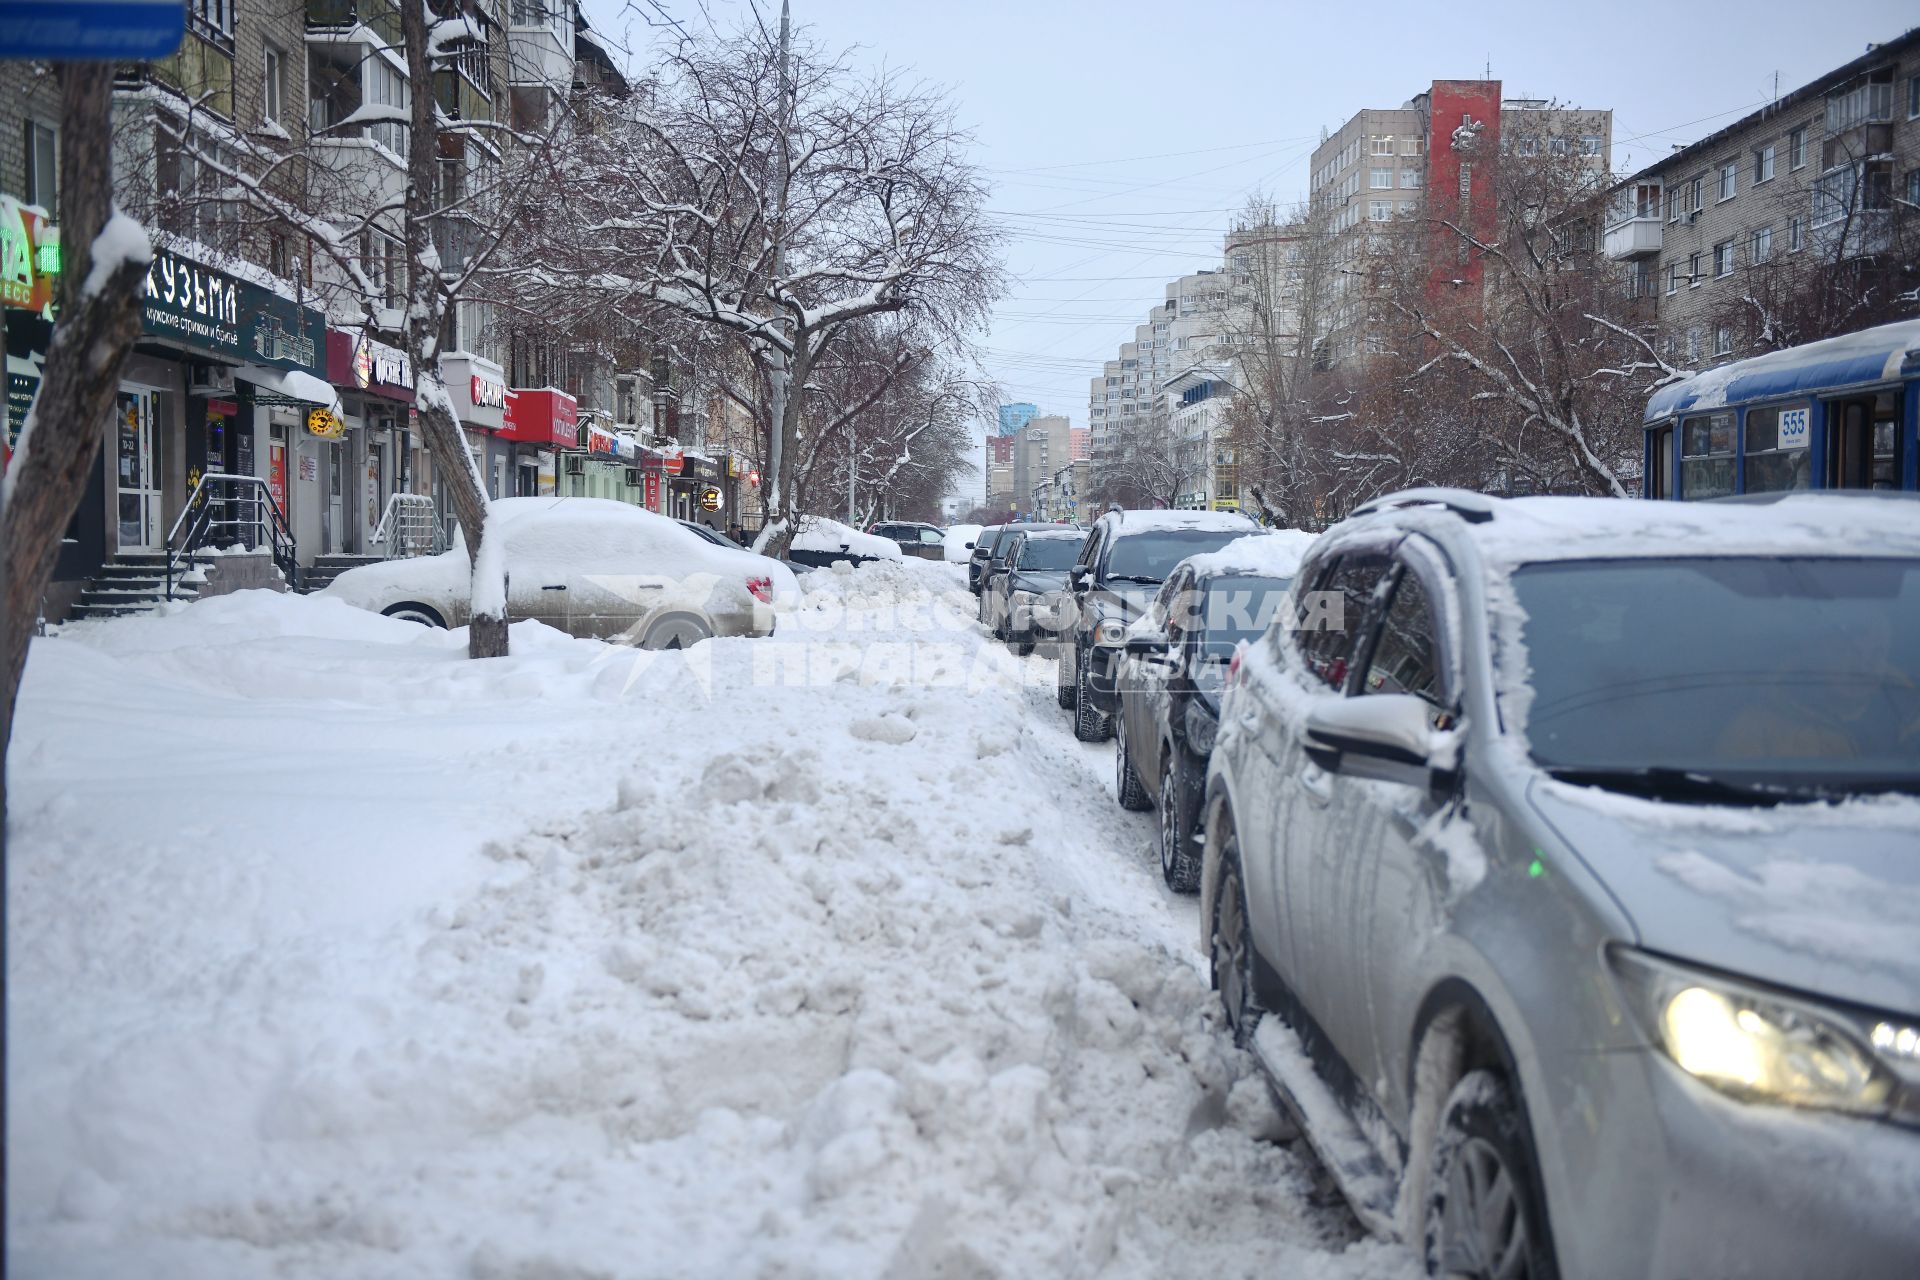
(591, 567)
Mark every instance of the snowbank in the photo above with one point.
(384, 962)
(956, 540)
(818, 533)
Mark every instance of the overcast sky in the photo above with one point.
(1121, 136)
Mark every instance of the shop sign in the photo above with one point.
(326, 424)
(29, 256)
(711, 499)
(676, 461)
(486, 393)
(210, 310)
(542, 417)
(653, 489)
(362, 364)
(356, 360)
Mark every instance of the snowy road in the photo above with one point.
(335, 955)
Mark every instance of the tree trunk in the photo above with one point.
(428, 304)
(783, 513)
(96, 329)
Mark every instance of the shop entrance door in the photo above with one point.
(136, 473)
(336, 531)
(372, 508)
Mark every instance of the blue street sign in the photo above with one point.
(91, 30)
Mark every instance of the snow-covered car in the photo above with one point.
(591, 567)
(1125, 560)
(821, 542)
(958, 541)
(913, 537)
(1173, 673)
(1563, 871)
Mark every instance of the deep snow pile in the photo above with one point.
(371, 961)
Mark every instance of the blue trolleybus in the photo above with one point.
(1834, 414)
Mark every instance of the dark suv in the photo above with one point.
(998, 542)
(1125, 560)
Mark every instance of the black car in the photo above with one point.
(1024, 598)
(1125, 561)
(927, 541)
(977, 553)
(995, 561)
(1170, 681)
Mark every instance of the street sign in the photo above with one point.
(91, 30)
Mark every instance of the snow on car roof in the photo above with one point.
(818, 533)
(1152, 521)
(1275, 553)
(1522, 530)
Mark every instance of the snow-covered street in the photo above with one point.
(825, 955)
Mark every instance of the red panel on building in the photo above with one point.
(1463, 146)
(547, 418)
(1000, 449)
(1081, 439)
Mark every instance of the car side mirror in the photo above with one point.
(969, 546)
(1147, 644)
(1081, 573)
(1386, 736)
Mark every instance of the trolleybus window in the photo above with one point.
(1706, 456)
(1777, 453)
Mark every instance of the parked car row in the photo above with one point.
(1559, 864)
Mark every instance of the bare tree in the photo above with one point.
(100, 293)
(782, 220)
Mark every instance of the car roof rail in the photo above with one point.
(1474, 508)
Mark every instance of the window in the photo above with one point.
(1675, 205)
(1640, 278)
(1706, 456)
(1796, 234)
(1693, 345)
(1913, 98)
(1913, 185)
(1379, 210)
(1693, 270)
(1729, 179)
(273, 84)
(212, 18)
(1590, 146)
(385, 86)
(1410, 146)
(1797, 148)
(1406, 656)
(383, 260)
(1330, 618)
(1526, 146)
(1723, 340)
(1558, 146)
(1409, 178)
(1693, 190)
(1777, 456)
(1763, 164)
(1383, 146)
(1380, 178)
(1762, 247)
(1868, 99)
(1723, 259)
(43, 158)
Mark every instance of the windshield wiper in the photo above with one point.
(1667, 782)
(1135, 577)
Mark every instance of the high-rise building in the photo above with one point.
(1015, 416)
(1044, 444)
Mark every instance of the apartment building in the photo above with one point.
(1042, 445)
(1000, 490)
(1712, 236)
(1015, 416)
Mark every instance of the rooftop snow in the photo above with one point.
(1274, 554)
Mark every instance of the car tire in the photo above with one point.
(1126, 779)
(1230, 947)
(1484, 1217)
(1179, 865)
(1064, 689)
(413, 611)
(676, 631)
(1089, 723)
(1023, 643)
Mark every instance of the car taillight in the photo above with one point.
(1233, 667)
(762, 589)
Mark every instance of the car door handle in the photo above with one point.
(561, 587)
(1317, 784)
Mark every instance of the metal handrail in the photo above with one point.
(410, 527)
(246, 508)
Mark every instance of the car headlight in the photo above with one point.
(1110, 633)
(1753, 1045)
(1201, 726)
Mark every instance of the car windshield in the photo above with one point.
(1057, 554)
(1794, 673)
(1151, 556)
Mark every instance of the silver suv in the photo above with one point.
(1563, 872)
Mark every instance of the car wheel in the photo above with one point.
(1178, 865)
(425, 615)
(1126, 779)
(1023, 643)
(676, 632)
(1483, 1219)
(1230, 947)
(1089, 723)
(1064, 689)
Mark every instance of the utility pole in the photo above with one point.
(777, 378)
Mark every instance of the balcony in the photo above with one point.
(382, 17)
(1632, 238)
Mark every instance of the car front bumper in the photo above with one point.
(1714, 1186)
